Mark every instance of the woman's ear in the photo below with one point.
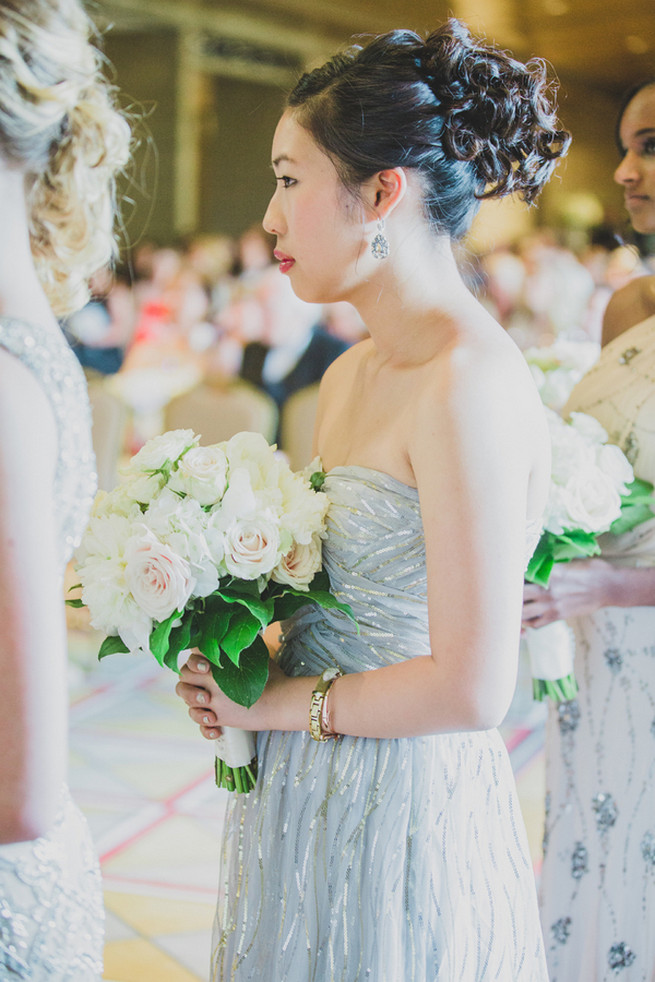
(384, 191)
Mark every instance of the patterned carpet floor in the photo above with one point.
(144, 779)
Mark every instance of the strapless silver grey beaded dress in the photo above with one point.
(51, 913)
(381, 860)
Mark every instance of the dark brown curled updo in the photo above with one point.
(472, 121)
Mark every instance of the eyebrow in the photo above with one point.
(281, 158)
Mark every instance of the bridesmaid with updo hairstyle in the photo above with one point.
(62, 142)
(383, 840)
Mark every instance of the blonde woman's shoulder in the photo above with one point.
(630, 305)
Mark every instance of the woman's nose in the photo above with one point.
(628, 170)
(272, 221)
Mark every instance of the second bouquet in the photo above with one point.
(204, 547)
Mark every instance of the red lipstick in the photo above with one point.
(286, 262)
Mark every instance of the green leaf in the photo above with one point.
(111, 646)
(259, 607)
(243, 630)
(288, 599)
(551, 549)
(245, 684)
(287, 604)
(178, 640)
(159, 644)
(317, 480)
(74, 603)
(212, 624)
(636, 507)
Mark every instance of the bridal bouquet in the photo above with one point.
(593, 490)
(204, 547)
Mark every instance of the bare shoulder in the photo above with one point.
(630, 305)
(481, 395)
(491, 374)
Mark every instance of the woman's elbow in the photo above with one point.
(25, 820)
(483, 708)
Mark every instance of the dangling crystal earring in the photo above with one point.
(380, 243)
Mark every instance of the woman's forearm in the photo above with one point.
(412, 698)
(631, 586)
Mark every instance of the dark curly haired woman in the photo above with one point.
(395, 851)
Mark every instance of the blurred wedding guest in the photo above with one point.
(598, 879)
(612, 265)
(295, 349)
(61, 144)
(101, 331)
(254, 255)
(213, 257)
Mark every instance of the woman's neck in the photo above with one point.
(415, 303)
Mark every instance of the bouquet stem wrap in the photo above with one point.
(236, 760)
(551, 650)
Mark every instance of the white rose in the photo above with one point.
(161, 449)
(570, 451)
(146, 473)
(613, 462)
(201, 473)
(300, 564)
(589, 428)
(591, 500)
(239, 501)
(251, 452)
(252, 547)
(159, 580)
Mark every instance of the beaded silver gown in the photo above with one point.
(398, 860)
(51, 913)
(598, 878)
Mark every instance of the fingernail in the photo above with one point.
(201, 698)
(205, 720)
(203, 666)
(213, 734)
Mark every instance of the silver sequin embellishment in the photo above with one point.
(568, 715)
(579, 861)
(561, 930)
(614, 659)
(606, 811)
(620, 956)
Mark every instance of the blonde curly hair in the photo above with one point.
(60, 124)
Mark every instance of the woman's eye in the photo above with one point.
(649, 146)
(286, 182)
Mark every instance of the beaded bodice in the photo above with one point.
(49, 357)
